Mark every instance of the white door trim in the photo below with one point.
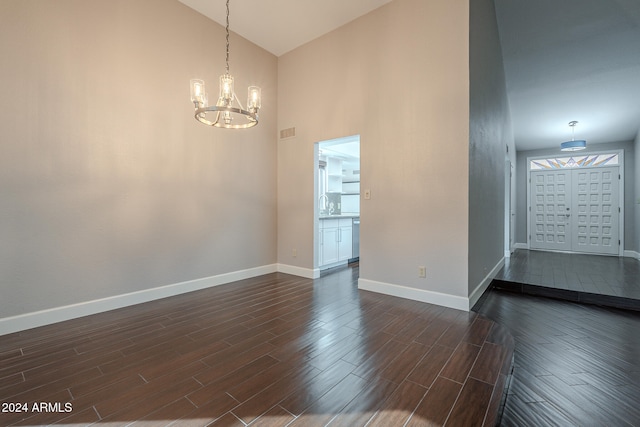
(507, 209)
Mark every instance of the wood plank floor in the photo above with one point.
(270, 351)
(575, 364)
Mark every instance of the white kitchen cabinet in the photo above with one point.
(351, 187)
(334, 175)
(345, 240)
(328, 245)
(335, 241)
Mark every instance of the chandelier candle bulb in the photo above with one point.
(197, 92)
(226, 90)
(254, 98)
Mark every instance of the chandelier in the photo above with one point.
(573, 145)
(225, 114)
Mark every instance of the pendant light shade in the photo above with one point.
(573, 145)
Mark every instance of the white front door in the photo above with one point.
(596, 208)
(551, 210)
(575, 210)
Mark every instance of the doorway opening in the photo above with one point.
(337, 209)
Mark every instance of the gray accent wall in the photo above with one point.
(630, 171)
(489, 136)
(637, 193)
(108, 185)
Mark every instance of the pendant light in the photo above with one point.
(573, 145)
(225, 114)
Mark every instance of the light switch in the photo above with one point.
(367, 194)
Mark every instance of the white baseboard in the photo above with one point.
(629, 254)
(299, 271)
(632, 254)
(479, 290)
(437, 298)
(446, 300)
(22, 322)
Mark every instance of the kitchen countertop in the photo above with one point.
(342, 215)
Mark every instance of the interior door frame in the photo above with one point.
(509, 215)
(316, 208)
(620, 165)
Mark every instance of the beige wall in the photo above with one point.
(399, 77)
(107, 183)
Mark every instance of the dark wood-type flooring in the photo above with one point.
(574, 364)
(592, 279)
(270, 351)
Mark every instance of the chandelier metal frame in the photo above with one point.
(225, 111)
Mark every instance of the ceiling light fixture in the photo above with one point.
(225, 114)
(573, 145)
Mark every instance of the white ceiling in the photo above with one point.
(279, 26)
(571, 60)
(346, 149)
(564, 59)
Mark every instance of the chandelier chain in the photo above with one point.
(227, 36)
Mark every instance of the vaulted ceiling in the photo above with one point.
(564, 59)
(571, 60)
(279, 26)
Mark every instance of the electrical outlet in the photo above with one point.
(422, 272)
(294, 252)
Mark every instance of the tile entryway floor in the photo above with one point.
(603, 280)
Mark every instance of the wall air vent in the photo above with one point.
(288, 133)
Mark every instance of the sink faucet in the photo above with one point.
(323, 201)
